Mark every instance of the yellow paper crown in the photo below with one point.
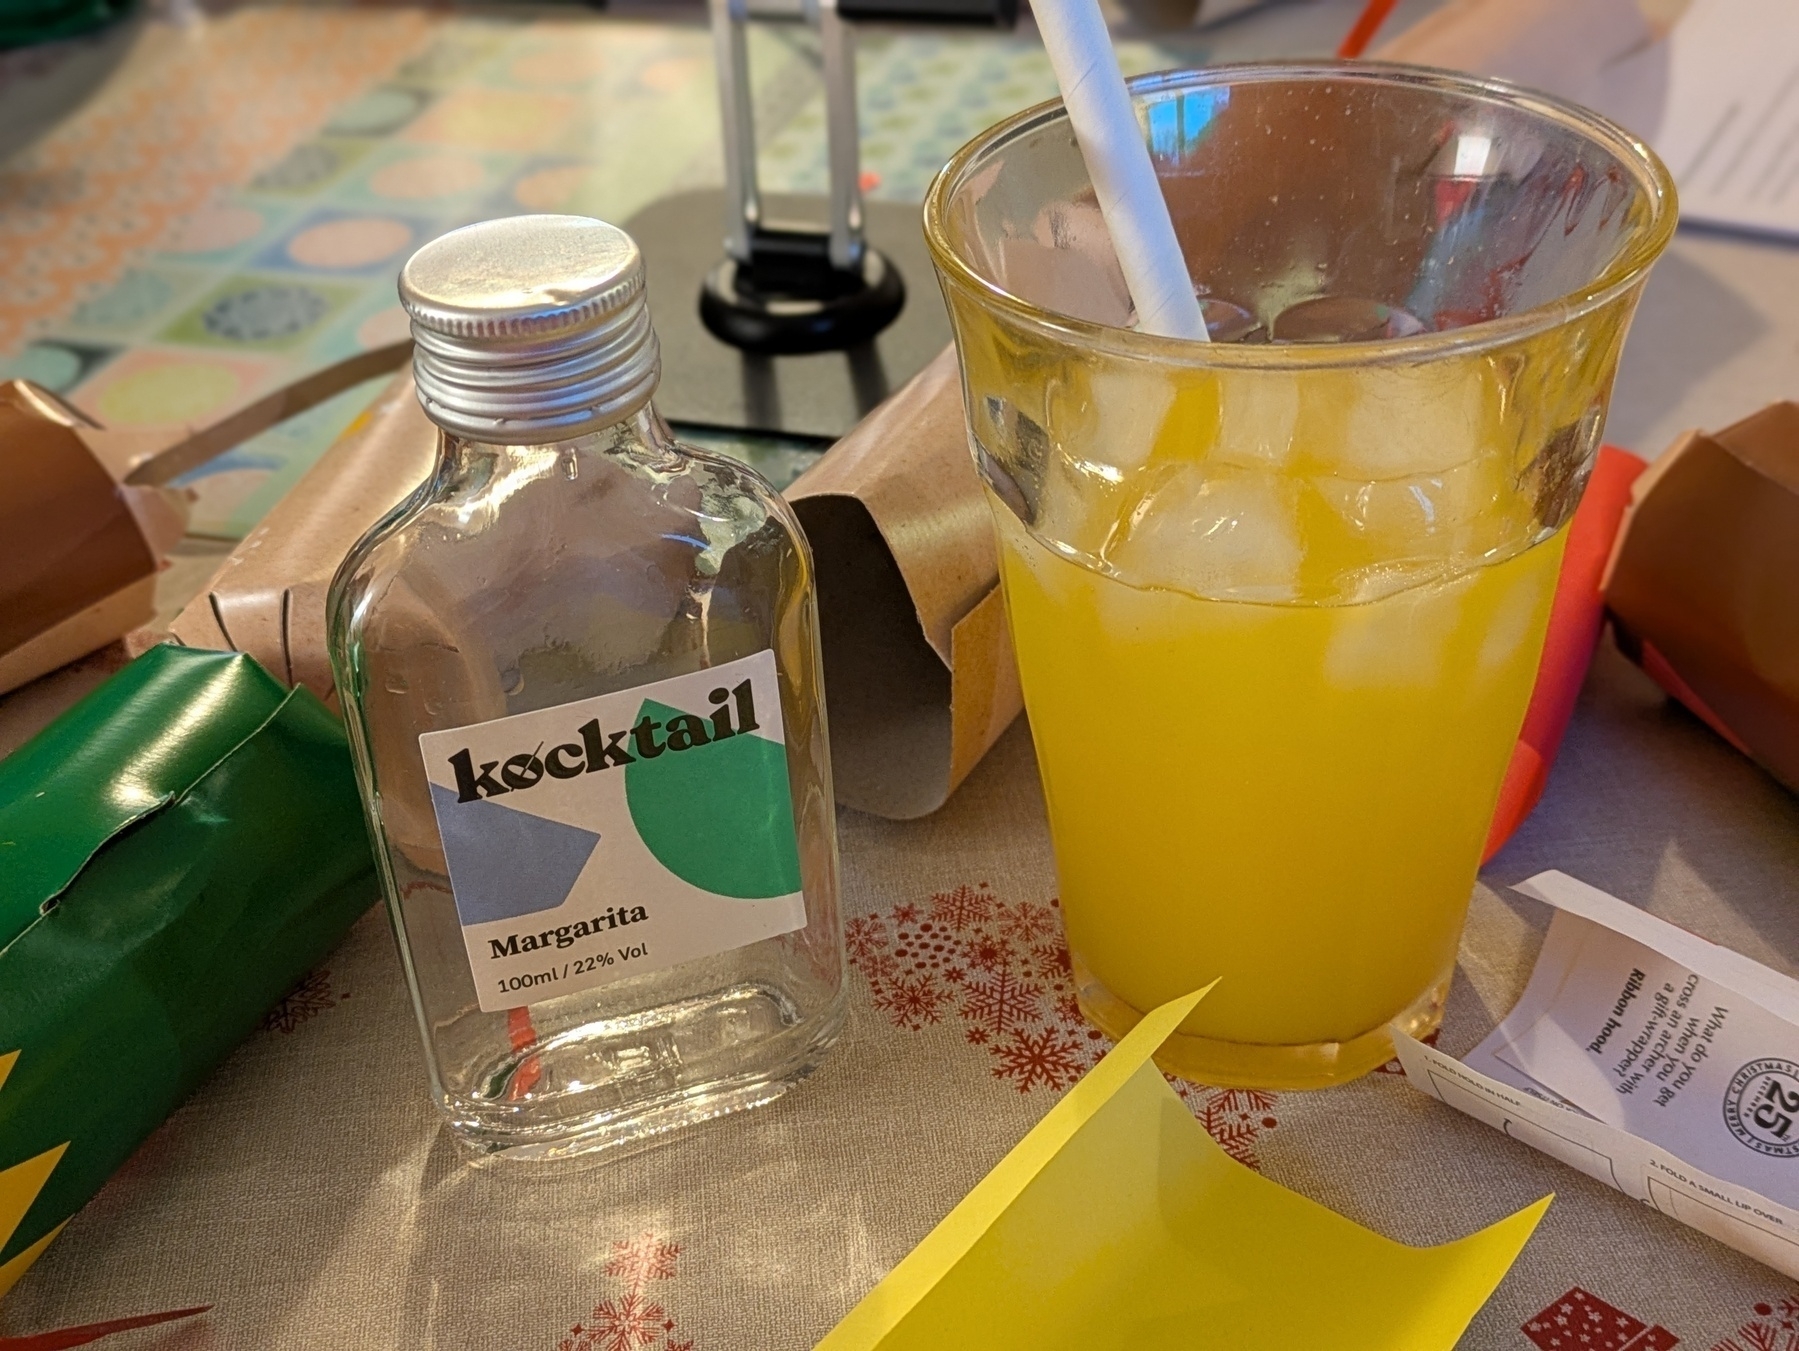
(1119, 1223)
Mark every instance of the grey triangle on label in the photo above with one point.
(504, 862)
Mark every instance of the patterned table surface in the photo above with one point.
(166, 261)
(308, 1194)
(231, 206)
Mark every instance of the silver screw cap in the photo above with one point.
(530, 328)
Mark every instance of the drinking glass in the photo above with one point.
(1278, 599)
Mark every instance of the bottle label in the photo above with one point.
(620, 834)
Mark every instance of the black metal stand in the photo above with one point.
(790, 298)
(798, 331)
(783, 288)
(711, 382)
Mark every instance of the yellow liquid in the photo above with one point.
(1289, 797)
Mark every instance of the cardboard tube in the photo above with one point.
(919, 674)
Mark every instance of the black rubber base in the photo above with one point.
(781, 309)
(707, 382)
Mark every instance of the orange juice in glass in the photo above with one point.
(1278, 599)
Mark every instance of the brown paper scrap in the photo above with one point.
(76, 569)
(268, 596)
(919, 674)
(86, 520)
(161, 457)
(1704, 584)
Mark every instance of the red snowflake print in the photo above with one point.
(912, 1001)
(1580, 1321)
(1237, 1141)
(311, 997)
(1026, 923)
(1048, 1056)
(1049, 960)
(963, 907)
(1068, 1009)
(638, 1261)
(864, 936)
(1755, 1336)
(631, 1321)
(983, 952)
(928, 947)
(1092, 1041)
(879, 968)
(1245, 1106)
(628, 1323)
(1000, 1003)
(1235, 1117)
(1002, 971)
(1775, 1327)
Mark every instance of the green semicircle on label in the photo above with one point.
(719, 816)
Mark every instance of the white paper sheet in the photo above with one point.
(1641, 1042)
(1728, 121)
(1763, 1004)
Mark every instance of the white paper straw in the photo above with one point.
(1130, 198)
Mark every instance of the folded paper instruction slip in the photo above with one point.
(1657, 1062)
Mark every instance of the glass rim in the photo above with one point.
(1625, 272)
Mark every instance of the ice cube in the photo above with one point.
(1258, 419)
(1211, 531)
(1397, 642)
(1514, 616)
(1127, 407)
(1067, 264)
(1230, 322)
(1343, 319)
(1455, 514)
(1394, 422)
(1103, 427)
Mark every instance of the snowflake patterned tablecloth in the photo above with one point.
(307, 1193)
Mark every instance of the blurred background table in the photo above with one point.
(202, 202)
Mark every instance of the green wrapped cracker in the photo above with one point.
(176, 851)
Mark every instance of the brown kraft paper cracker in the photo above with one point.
(1704, 585)
(76, 569)
(918, 663)
(268, 596)
(919, 674)
(89, 518)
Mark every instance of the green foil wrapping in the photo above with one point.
(23, 22)
(176, 851)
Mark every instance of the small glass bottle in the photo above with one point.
(580, 670)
